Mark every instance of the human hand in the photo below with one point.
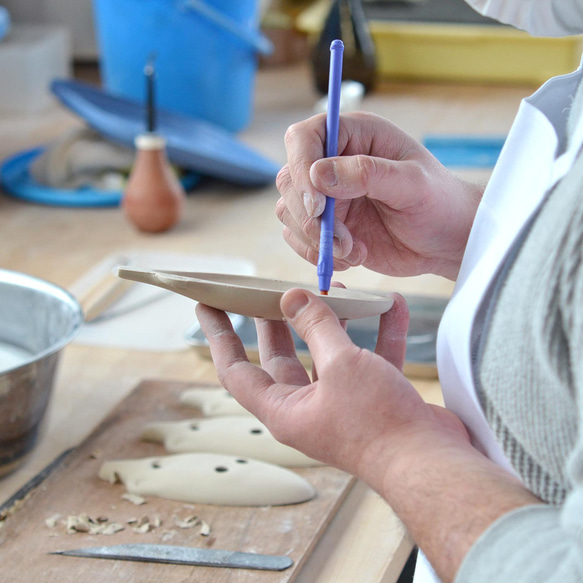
(359, 411)
(363, 416)
(398, 210)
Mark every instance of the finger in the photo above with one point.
(392, 338)
(305, 239)
(300, 203)
(316, 324)
(309, 227)
(305, 142)
(277, 352)
(297, 243)
(302, 199)
(246, 382)
(299, 213)
(349, 177)
(343, 323)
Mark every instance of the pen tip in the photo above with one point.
(323, 292)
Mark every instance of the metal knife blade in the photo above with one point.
(183, 556)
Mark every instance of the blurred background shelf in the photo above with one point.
(445, 40)
(415, 40)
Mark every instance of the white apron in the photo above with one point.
(528, 167)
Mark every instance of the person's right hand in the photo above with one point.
(398, 210)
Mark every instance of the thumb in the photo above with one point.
(346, 177)
(316, 324)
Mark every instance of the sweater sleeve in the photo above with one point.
(534, 544)
(544, 543)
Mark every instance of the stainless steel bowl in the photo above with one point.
(37, 320)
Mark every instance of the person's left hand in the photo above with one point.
(357, 414)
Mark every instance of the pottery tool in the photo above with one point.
(325, 256)
(154, 198)
(150, 74)
(149, 553)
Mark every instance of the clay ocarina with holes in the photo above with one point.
(237, 435)
(212, 402)
(205, 478)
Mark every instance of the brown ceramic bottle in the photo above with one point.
(154, 198)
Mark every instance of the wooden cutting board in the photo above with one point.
(74, 488)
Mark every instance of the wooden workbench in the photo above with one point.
(365, 541)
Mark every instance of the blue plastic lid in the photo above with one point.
(191, 143)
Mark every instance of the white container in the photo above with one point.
(31, 56)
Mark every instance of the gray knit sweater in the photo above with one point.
(529, 375)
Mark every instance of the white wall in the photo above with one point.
(76, 15)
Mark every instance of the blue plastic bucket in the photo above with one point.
(206, 54)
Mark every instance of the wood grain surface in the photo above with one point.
(74, 488)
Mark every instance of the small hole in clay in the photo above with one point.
(156, 465)
(194, 427)
(256, 431)
(241, 461)
(221, 469)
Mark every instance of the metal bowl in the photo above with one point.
(37, 320)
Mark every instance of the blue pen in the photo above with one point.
(325, 256)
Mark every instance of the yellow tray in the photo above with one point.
(478, 53)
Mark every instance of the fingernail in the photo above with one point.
(336, 247)
(357, 255)
(314, 203)
(309, 204)
(327, 172)
(292, 306)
